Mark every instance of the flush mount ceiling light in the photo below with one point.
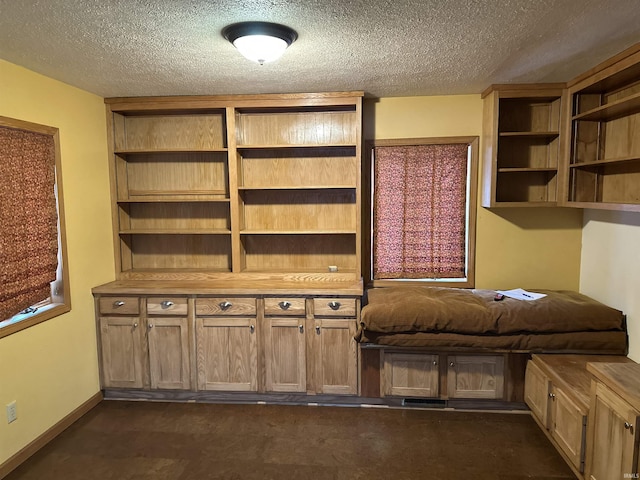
(261, 42)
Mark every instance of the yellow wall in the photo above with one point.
(522, 247)
(50, 369)
(611, 265)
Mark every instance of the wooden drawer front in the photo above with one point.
(334, 307)
(284, 306)
(226, 306)
(167, 306)
(120, 305)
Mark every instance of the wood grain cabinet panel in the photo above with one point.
(120, 305)
(227, 354)
(334, 307)
(279, 306)
(568, 424)
(285, 355)
(226, 306)
(167, 306)
(122, 353)
(475, 376)
(169, 361)
(336, 356)
(410, 375)
(537, 387)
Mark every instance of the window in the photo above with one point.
(33, 270)
(423, 211)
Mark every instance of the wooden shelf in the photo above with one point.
(173, 199)
(604, 152)
(521, 137)
(294, 146)
(168, 151)
(524, 204)
(300, 187)
(139, 231)
(297, 232)
(525, 170)
(529, 134)
(174, 193)
(207, 186)
(608, 161)
(621, 108)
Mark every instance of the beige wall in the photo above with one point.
(50, 369)
(522, 247)
(611, 265)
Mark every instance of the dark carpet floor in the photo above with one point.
(172, 441)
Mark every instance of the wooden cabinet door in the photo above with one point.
(567, 425)
(285, 355)
(613, 448)
(122, 353)
(227, 356)
(536, 393)
(335, 356)
(169, 366)
(475, 376)
(410, 375)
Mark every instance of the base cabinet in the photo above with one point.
(138, 352)
(614, 440)
(560, 414)
(237, 343)
(122, 355)
(590, 426)
(463, 376)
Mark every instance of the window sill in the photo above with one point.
(462, 283)
(21, 321)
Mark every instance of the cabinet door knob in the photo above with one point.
(284, 305)
(552, 396)
(252, 328)
(167, 304)
(628, 426)
(150, 326)
(451, 364)
(301, 328)
(118, 303)
(435, 363)
(225, 305)
(135, 325)
(318, 329)
(333, 305)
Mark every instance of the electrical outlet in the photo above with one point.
(12, 414)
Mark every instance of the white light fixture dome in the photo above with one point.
(260, 42)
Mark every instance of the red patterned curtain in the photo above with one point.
(28, 219)
(419, 211)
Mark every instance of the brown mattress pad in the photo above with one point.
(430, 316)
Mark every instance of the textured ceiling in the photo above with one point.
(384, 47)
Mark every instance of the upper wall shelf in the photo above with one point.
(242, 185)
(521, 138)
(603, 156)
